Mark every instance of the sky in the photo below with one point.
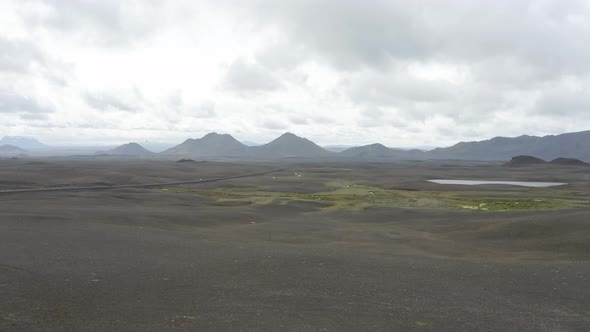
(405, 74)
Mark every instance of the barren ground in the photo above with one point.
(320, 246)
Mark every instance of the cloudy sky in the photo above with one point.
(406, 74)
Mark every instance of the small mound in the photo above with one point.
(568, 162)
(524, 161)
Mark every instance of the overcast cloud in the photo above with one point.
(406, 74)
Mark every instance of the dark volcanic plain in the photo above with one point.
(328, 246)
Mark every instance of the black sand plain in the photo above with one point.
(320, 246)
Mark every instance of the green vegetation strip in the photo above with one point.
(352, 196)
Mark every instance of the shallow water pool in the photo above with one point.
(510, 183)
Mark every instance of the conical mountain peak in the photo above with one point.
(130, 149)
(289, 145)
(210, 145)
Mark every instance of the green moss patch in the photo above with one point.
(519, 204)
(349, 195)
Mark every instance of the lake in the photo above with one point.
(510, 183)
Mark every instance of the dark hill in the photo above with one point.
(568, 162)
(570, 145)
(380, 151)
(129, 149)
(289, 145)
(525, 161)
(210, 145)
(376, 150)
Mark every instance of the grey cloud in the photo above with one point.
(175, 101)
(17, 55)
(24, 106)
(470, 133)
(281, 55)
(311, 119)
(447, 131)
(105, 22)
(563, 101)
(354, 34)
(516, 56)
(288, 115)
(509, 73)
(34, 116)
(250, 77)
(372, 117)
(388, 88)
(204, 110)
(299, 120)
(46, 125)
(285, 113)
(23, 58)
(108, 102)
(177, 105)
(512, 52)
(410, 98)
(419, 106)
(349, 34)
(274, 124)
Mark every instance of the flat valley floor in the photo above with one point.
(318, 246)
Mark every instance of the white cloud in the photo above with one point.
(338, 72)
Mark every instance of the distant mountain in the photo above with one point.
(570, 145)
(210, 145)
(376, 150)
(129, 149)
(23, 142)
(566, 148)
(519, 161)
(338, 148)
(380, 151)
(289, 145)
(10, 150)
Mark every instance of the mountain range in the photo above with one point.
(224, 145)
(570, 145)
(288, 145)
